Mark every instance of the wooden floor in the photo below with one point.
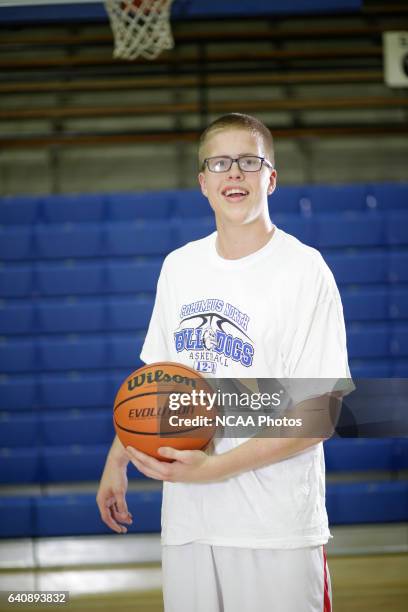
(360, 583)
(369, 584)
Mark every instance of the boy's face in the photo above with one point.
(237, 197)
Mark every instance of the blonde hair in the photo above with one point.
(241, 122)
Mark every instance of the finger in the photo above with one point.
(106, 515)
(146, 461)
(184, 456)
(169, 453)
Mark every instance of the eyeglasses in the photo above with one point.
(246, 163)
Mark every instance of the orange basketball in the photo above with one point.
(164, 404)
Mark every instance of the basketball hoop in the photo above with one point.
(140, 27)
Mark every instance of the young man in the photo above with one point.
(243, 528)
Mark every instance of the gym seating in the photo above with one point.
(361, 267)
(73, 277)
(78, 426)
(187, 230)
(68, 240)
(286, 200)
(132, 276)
(76, 389)
(190, 203)
(16, 317)
(19, 210)
(71, 315)
(18, 392)
(397, 227)
(16, 243)
(78, 276)
(398, 267)
(369, 340)
(132, 314)
(349, 230)
(141, 205)
(138, 238)
(388, 196)
(334, 198)
(78, 514)
(16, 280)
(302, 228)
(365, 304)
(358, 502)
(19, 429)
(20, 466)
(87, 207)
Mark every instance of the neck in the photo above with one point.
(235, 242)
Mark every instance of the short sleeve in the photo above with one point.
(155, 347)
(314, 343)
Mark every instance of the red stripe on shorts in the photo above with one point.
(327, 603)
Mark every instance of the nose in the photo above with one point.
(235, 171)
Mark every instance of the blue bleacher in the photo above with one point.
(20, 466)
(357, 502)
(17, 317)
(87, 207)
(349, 230)
(187, 230)
(78, 277)
(388, 196)
(358, 268)
(368, 340)
(16, 243)
(285, 200)
(71, 315)
(19, 429)
(138, 238)
(16, 280)
(132, 276)
(73, 353)
(362, 304)
(397, 227)
(302, 228)
(142, 205)
(335, 198)
(17, 517)
(126, 313)
(398, 266)
(72, 277)
(190, 203)
(20, 210)
(75, 390)
(18, 392)
(62, 241)
(76, 426)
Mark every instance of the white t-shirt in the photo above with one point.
(273, 314)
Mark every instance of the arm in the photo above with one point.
(197, 466)
(111, 494)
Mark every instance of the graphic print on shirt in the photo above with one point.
(214, 333)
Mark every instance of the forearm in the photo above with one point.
(117, 453)
(257, 453)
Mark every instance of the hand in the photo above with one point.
(111, 498)
(187, 465)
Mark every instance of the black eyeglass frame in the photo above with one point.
(264, 161)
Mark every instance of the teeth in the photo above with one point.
(229, 192)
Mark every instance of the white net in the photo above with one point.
(140, 27)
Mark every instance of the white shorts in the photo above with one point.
(204, 578)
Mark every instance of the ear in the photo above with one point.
(202, 181)
(272, 182)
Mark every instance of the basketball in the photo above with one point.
(164, 404)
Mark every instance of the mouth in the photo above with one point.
(235, 194)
